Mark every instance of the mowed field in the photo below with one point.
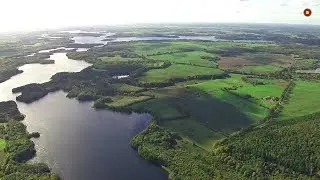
(151, 49)
(160, 108)
(260, 69)
(193, 131)
(256, 107)
(234, 62)
(198, 58)
(117, 58)
(126, 88)
(121, 100)
(256, 63)
(272, 88)
(304, 100)
(176, 71)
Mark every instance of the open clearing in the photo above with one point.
(197, 58)
(233, 62)
(161, 109)
(304, 100)
(152, 48)
(260, 69)
(267, 58)
(194, 131)
(126, 88)
(121, 101)
(256, 63)
(251, 107)
(176, 71)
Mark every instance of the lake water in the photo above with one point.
(76, 141)
(99, 40)
(81, 143)
(40, 73)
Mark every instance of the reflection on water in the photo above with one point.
(60, 48)
(77, 141)
(40, 73)
(81, 143)
(91, 39)
(99, 40)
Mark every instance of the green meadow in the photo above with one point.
(197, 58)
(304, 100)
(176, 71)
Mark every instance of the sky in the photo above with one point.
(20, 15)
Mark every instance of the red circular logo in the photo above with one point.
(307, 12)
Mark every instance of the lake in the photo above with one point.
(76, 141)
(99, 40)
(81, 143)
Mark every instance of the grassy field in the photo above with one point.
(176, 71)
(117, 58)
(260, 69)
(257, 62)
(161, 109)
(267, 58)
(273, 89)
(149, 48)
(2, 144)
(126, 88)
(304, 100)
(120, 100)
(192, 130)
(251, 108)
(233, 62)
(198, 58)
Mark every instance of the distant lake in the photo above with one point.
(99, 40)
(78, 142)
(40, 73)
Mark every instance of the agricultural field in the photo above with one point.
(271, 89)
(122, 101)
(260, 69)
(304, 100)
(151, 49)
(267, 58)
(193, 131)
(233, 62)
(126, 88)
(196, 58)
(117, 58)
(257, 63)
(254, 106)
(161, 109)
(176, 71)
